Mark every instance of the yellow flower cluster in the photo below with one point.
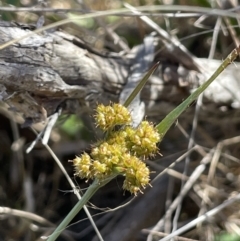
(110, 116)
(121, 151)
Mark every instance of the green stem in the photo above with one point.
(85, 198)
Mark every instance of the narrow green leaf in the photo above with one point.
(140, 85)
(166, 123)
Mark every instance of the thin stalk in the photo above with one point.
(151, 8)
(85, 198)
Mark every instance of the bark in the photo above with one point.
(43, 72)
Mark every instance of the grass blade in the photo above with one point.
(166, 123)
(140, 85)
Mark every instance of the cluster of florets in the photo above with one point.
(121, 151)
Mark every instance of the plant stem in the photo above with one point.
(85, 198)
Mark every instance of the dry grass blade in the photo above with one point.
(202, 218)
(27, 215)
(188, 185)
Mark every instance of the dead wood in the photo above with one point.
(50, 70)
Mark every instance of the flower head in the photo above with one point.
(143, 141)
(137, 175)
(109, 116)
(83, 166)
(121, 151)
